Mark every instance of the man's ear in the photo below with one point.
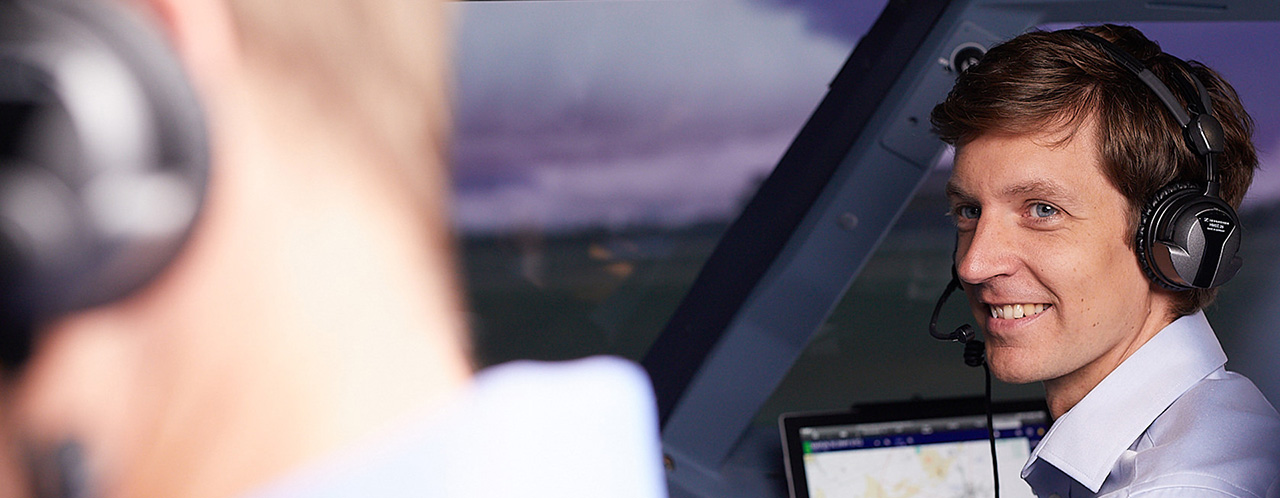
(201, 32)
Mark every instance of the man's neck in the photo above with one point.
(1063, 393)
(304, 315)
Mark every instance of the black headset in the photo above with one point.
(1188, 236)
(103, 160)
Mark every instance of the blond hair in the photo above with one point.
(375, 67)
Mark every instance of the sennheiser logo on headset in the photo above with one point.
(1209, 222)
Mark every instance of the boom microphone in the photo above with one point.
(974, 350)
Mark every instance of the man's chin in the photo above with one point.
(1018, 379)
(1015, 370)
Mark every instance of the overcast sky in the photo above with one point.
(585, 114)
(572, 114)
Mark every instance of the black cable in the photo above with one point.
(991, 431)
(962, 334)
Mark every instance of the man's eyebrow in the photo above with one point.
(1034, 188)
(1039, 189)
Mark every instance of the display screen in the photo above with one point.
(845, 455)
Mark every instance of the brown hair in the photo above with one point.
(1042, 81)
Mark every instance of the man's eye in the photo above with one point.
(968, 212)
(1041, 210)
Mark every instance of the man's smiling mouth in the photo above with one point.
(1014, 311)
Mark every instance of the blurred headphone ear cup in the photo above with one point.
(1171, 245)
(99, 109)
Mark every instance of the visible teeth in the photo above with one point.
(1015, 311)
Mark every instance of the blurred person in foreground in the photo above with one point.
(308, 339)
(1059, 148)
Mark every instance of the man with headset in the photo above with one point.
(1094, 189)
(292, 326)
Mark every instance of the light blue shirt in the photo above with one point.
(1169, 421)
(586, 428)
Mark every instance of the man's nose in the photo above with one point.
(985, 253)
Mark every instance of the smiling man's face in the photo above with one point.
(1045, 257)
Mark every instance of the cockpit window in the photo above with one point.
(602, 148)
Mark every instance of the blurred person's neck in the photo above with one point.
(310, 310)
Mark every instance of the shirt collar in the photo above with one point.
(1087, 440)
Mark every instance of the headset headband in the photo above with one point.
(1202, 131)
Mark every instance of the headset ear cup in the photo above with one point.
(123, 136)
(1187, 239)
(1147, 232)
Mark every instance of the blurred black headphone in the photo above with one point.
(1188, 236)
(103, 160)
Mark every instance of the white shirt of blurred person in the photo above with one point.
(1052, 166)
(314, 315)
